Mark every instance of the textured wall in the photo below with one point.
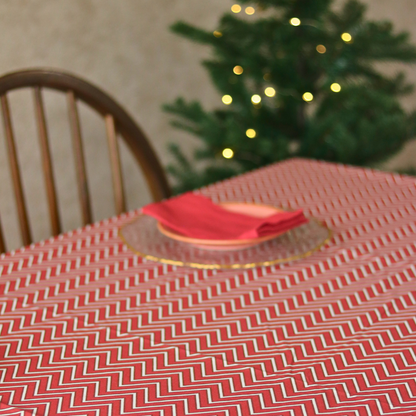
(125, 47)
(402, 14)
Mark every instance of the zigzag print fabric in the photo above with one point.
(88, 328)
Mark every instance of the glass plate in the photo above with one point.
(142, 236)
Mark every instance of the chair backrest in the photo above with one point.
(117, 122)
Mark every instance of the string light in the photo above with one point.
(267, 77)
(346, 37)
(294, 21)
(270, 91)
(227, 99)
(256, 99)
(307, 96)
(236, 8)
(228, 153)
(250, 10)
(251, 133)
(217, 34)
(238, 70)
(336, 87)
(321, 48)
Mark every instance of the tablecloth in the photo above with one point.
(89, 328)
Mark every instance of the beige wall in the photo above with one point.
(402, 13)
(125, 47)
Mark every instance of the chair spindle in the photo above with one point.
(2, 242)
(120, 202)
(15, 173)
(46, 162)
(83, 190)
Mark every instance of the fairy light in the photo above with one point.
(270, 91)
(346, 37)
(228, 153)
(251, 133)
(217, 33)
(321, 48)
(267, 77)
(250, 10)
(227, 99)
(256, 99)
(335, 87)
(238, 70)
(294, 21)
(307, 97)
(236, 8)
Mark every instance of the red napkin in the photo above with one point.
(198, 217)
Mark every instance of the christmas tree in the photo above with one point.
(297, 79)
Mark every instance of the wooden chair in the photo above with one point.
(117, 122)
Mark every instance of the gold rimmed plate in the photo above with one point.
(144, 238)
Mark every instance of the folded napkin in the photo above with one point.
(198, 217)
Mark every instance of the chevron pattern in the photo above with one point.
(90, 329)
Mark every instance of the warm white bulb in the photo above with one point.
(228, 153)
(270, 91)
(251, 133)
(236, 8)
(346, 37)
(335, 87)
(238, 70)
(307, 96)
(294, 21)
(250, 10)
(227, 99)
(256, 99)
(321, 48)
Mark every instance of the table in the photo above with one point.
(89, 328)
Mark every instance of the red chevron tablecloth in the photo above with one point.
(89, 328)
